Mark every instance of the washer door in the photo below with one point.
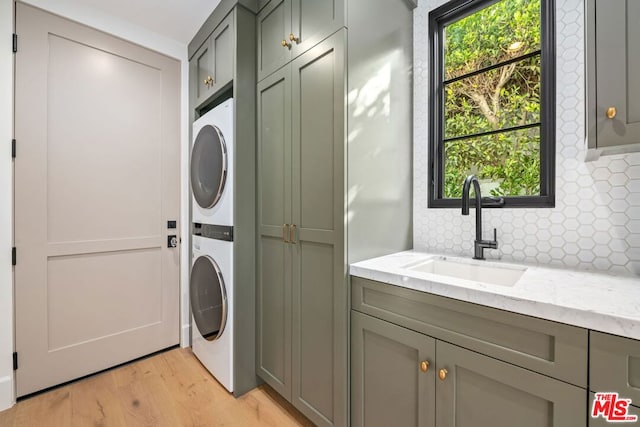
(208, 166)
(208, 298)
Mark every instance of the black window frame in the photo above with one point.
(449, 13)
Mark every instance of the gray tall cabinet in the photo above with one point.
(320, 173)
(222, 65)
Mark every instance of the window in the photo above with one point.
(492, 101)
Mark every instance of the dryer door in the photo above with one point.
(208, 166)
(208, 298)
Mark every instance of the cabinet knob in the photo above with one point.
(293, 38)
(611, 112)
(424, 366)
(442, 374)
(285, 43)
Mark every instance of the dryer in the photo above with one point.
(212, 166)
(211, 296)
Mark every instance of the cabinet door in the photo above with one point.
(274, 210)
(320, 306)
(618, 72)
(481, 391)
(388, 384)
(221, 42)
(313, 21)
(201, 71)
(274, 23)
(614, 365)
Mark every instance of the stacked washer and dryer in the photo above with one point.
(211, 283)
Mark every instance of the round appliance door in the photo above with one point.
(208, 298)
(208, 166)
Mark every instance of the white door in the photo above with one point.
(96, 182)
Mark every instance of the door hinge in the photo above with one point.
(15, 360)
(15, 42)
(14, 256)
(13, 148)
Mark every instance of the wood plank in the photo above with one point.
(168, 389)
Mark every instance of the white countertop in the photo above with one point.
(595, 301)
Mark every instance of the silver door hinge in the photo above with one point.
(15, 360)
(15, 42)
(14, 256)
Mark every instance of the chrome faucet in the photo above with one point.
(479, 244)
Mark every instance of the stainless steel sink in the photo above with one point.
(492, 274)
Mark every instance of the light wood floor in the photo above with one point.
(168, 389)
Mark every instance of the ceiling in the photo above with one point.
(175, 19)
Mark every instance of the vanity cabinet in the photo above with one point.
(485, 366)
(301, 294)
(287, 28)
(211, 67)
(613, 75)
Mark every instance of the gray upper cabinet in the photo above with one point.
(302, 292)
(613, 75)
(212, 66)
(273, 24)
(287, 28)
(476, 390)
(392, 375)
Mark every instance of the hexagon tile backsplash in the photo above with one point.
(596, 222)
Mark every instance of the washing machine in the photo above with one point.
(212, 166)
(211, 297)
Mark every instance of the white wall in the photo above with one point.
(596, 222)
(119, 28)
(6, 205)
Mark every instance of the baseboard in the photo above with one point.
(185, 336)
(6, 393)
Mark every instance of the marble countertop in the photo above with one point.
(595, 301)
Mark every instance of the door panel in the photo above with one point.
(317, 144)
(479, 390)
(96, 182)
(388, 386)
(319, 272)
(618, 68)
(85, 151)
(274, 210)
(203, 63)
(314, 326)
(222, 45)
(312, 21)
(274, 22)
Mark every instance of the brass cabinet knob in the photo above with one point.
(611, 112)
(424, 366)
(285, 43)
(206, 82)
(442, 374)
(293, 38)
